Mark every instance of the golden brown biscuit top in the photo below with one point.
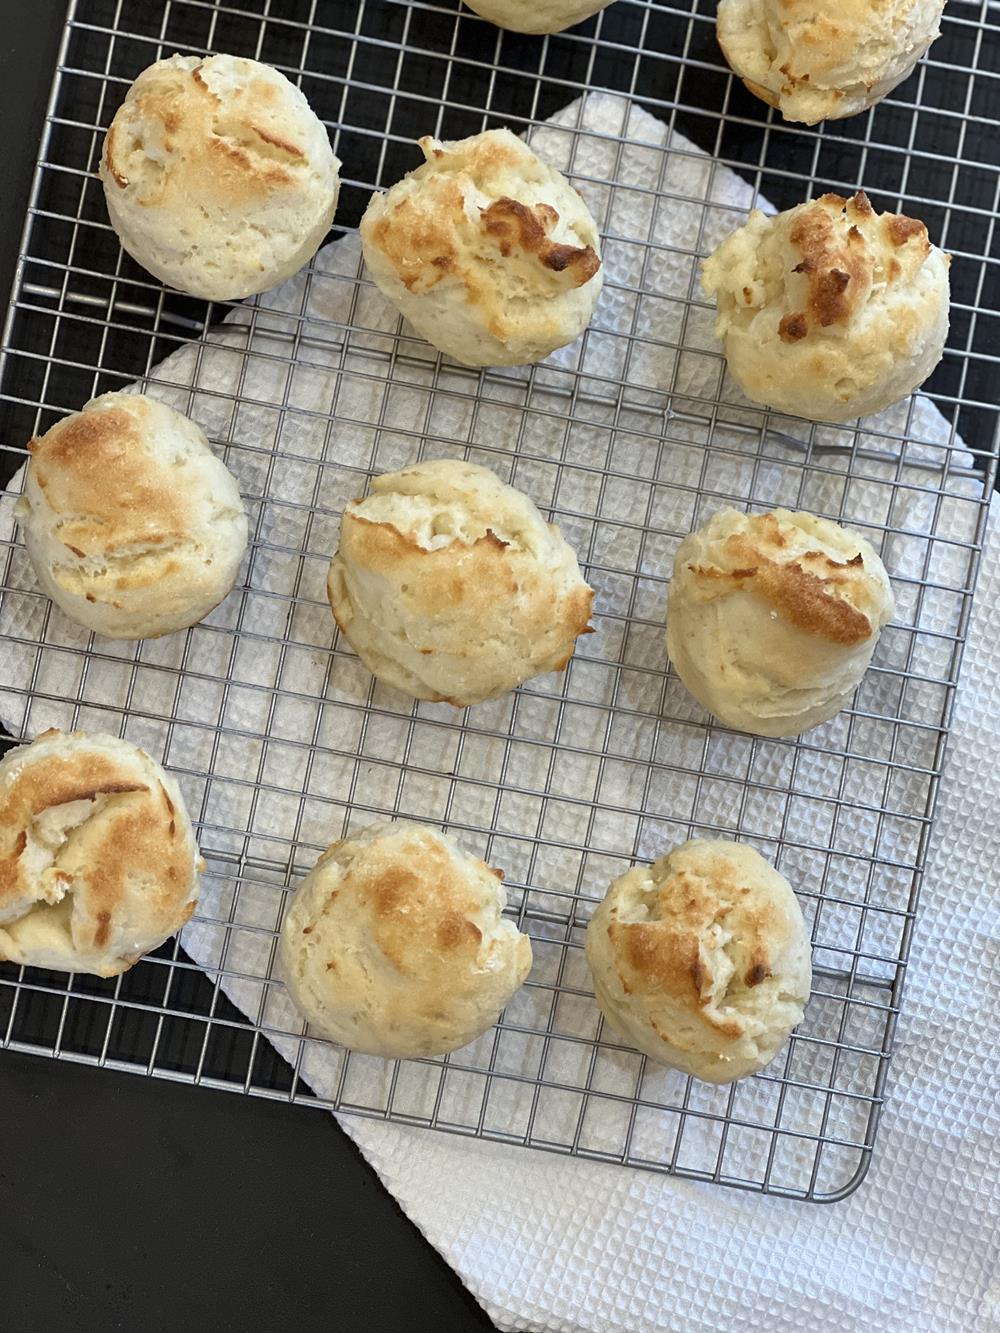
(232, 148)
(441, 228)
(817, 593)
(678, 950)
(418, 901)
(96, 469)
(133, 832)
(842, 246)
(514, 225)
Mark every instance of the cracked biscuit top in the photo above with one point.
(396, 943)
(829, 310)
(134, 528)
(98, 862)
(773, 618)
(218, 176)
(824, 61)
(702, 960)
(451, 586)
(490, 253)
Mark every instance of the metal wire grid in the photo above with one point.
(257, 712)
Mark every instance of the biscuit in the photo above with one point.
(490, 254)
(701, 960)
(219, 178)
(829, 311)
(98, 862)
(773, 618)
(395, 944)
(133, 527)
(536, 16)
(824, 62)
(449, 585)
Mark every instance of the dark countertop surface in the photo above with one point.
(133, 1203)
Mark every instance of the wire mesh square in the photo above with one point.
(278, 736)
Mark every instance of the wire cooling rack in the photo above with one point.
(280, 739)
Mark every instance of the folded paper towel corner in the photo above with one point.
(551, 1244)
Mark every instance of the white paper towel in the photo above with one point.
(547, 1243)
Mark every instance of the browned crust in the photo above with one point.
(110, 148)
(758, 89)
(419, 901)
(839, 270)
(216, 163)
(663, 955)
(902, 229)
(94, 465)
(69, 787)
(421, 246)
(286, 146)
(129, 840)
(805, 592)
(664, 959)
(757, 972)
(860, 205)
(422, 237)
(263, 174)
(454, 931)
(838, 274)
(793, 327)
(103, 930)
(802, 598)
(512, 224)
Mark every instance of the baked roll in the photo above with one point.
(133, 527)
(490, 254)
(536, 16)
(701, 960)
(825, 61)
(449, 585)
(98, 862)
(830, 310)
(219, 178)
(395, 944)
(772, 619)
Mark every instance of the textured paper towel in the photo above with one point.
(547, 1243)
